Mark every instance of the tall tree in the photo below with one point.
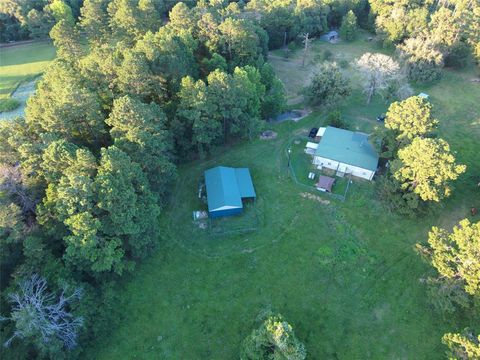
(312, 16)
(410, 118)
(131, 19)
(196, 125)
(67, 41)
(426, 166)
(378, 71)
(140, 130)
(43, 318)
(170, 56)
(463, 346)
(348, 30)
(328, 86)
(239, 41)
(61, 11)
(277, 18)
(128, 209)
(63, 105)
(456, 255)
(182, 17)
(94, 20)
(398, 20)
(423, 59)
(274, 101)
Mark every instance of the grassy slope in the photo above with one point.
(345, 274)
(22, 62)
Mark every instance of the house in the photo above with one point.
(346, 152)
(226, 189)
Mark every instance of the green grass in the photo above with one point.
(22, 62)
(301, 165)
(345, 275)
(9, 104)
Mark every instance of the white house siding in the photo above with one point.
(349, 169)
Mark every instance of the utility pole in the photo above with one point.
(306, 41)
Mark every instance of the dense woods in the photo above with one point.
(140, 86)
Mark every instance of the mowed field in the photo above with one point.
(23, 62)
(344, 274)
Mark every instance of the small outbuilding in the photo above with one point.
(331, 36)
(325, 183)
(423, 96)
(227, 188)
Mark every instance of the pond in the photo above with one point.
(294, 115)
(23, 92)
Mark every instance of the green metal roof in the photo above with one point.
(227, 186)
(244, 181)
(348, 147)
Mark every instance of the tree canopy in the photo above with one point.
(274, 339)
(410, 118)
(328, 86)
(425, 167)
(456, 255)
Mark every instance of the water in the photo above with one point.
(289, 115)
(23, 92)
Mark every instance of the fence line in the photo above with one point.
(295, 179)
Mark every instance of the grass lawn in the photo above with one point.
(22, 62)
(344, 274)
(301, 165)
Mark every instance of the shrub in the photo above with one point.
(8, 104)
(334, 119)
(327, 55)
(343, 63)
(274, 339)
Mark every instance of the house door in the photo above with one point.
(342, 168)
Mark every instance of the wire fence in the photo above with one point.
(291, 169)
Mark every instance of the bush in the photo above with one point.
(396, 200)
(8, 104)
(327, 55)
(343, 63)
(334, 119)
(274, 339)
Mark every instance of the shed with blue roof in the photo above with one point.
(226, 189)
(346, 152)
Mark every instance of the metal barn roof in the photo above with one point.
(227, 186)
(352, 148)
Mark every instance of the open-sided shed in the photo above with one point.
(226, 188)
(325, 183)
